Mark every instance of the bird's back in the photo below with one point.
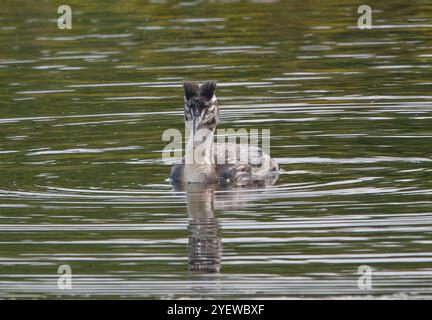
(237, 165)
(244, 165)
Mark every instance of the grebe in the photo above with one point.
(202, 162)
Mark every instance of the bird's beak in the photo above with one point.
(195, 123)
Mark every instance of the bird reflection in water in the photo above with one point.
(205, 243)
(205, 237)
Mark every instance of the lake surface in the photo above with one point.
(82, 182)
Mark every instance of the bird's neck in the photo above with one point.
(199, 148)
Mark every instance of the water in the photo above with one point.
(82, 112)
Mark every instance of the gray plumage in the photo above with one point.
(258, 171)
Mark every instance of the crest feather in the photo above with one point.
(191, 89)
(207, 90)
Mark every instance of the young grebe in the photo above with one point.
(202, 162)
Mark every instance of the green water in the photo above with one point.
(82, 112)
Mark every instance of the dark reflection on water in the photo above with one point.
(205, 245)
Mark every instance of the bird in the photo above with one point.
(225, 164)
